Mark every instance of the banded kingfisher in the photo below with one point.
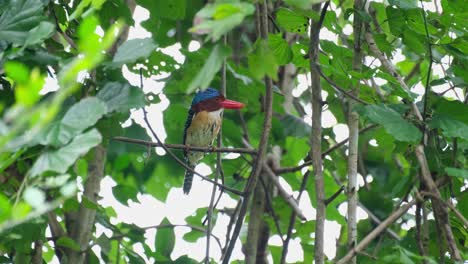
(202, 126)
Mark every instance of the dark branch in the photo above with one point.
(185, 147)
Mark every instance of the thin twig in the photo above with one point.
(449, 205)
(429, 69)
(336, 194)
(379, 229)
(270, 208)
(288, 198)
(219, 169)
(185, 147)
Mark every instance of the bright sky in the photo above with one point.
(150, 212)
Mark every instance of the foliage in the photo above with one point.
(51, 136)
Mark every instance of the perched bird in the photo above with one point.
(202, 126)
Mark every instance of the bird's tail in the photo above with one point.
(188, 180)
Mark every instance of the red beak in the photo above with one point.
(229, 104)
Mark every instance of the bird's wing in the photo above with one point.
(188, 122)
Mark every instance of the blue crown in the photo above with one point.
(206, 94)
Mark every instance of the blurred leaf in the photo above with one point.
(19, 18)
(459, 173)
(60, 160)
(294, 126)
(404, 4)
(393, 123)
(450, 127)
(211, 67)
(5, 208)
(121, 97)
(80, 116)
(34, 196)
(303, 4)
(38, 34)
(165, 239)
(132, 50)
(219, 18)
(396, 20)
(173, 10)
(28, 83)
(68, 243)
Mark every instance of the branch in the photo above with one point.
(335, 86)
(159, 142)
(82, 227)
(374, 233)
(429, 69)
(219, 169)
(185, 147)
(288, 198)
(353, 124)
(440, 211)
(449, 205)
(262, 18)
(37, 253)
(316, 134)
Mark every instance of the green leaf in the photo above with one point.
(455, 172)
(121, 97)
(68, 243)
(18, 19)
(404, 4)
(303, 4)
(80, 116)
(28, 83)
(396, 20)
(393, 123)
(280, 48)
(450, 127)
(38, 34)
(174, 9)
(165, 239)
(123, 193)
(292, 21)
(262, 61)
(294, 126)
(219, 18)
(60, 160)
(211, 67)
(195, 220)
(133, 50)
(5, 208)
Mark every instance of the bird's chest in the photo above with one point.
(204, 128)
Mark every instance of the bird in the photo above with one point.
(202, 126)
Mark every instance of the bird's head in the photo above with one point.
(211, 100)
